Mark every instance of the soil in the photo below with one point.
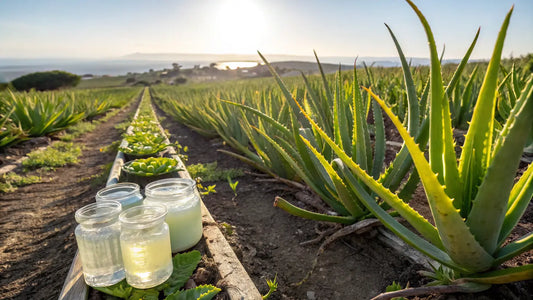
(37, 238)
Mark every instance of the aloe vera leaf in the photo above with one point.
(431, 250)
(479, 136)
(436, 146)
(503, 276)
(441, 145)
(380, 145)
(466, 100)
(299, 212)
(324, 80)
(333, 203)
(514, 249)
(337, 124)
(359, 131)
(286, 92)
(320, 106)
(489, 207)
(455, 235)
(348, 199)
(457, 74)
(519, 199)
(412, 99)
(414, 218)
(410, 186)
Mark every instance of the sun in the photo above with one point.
(239, 26)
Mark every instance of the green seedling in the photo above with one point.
(272, 287)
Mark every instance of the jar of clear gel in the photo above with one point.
(98, 239)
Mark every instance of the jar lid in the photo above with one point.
(119, 191)
(98, 213)
(170, 187)
(143, 216)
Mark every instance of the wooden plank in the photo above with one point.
(74, 287)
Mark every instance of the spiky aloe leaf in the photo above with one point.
(286, 92)
(476, 154)
(519, 199)
(379, 138)
(412, 99)
(414, 218)
(489, 207)
(513, 249)
(299, 212)
(455, 235)
(503, 276)
(441, 145)
(392, 224)
(361, 137)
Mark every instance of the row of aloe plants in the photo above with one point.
(32, 114)
(320, 135)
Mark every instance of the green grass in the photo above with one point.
(11, 181)
(210, 172)
(57, 155)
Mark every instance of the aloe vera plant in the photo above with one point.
(473, 201)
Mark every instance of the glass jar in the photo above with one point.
(127, 193)
(98, 239)
(184, 217)
(145, 244)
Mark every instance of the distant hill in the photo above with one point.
(336, 60)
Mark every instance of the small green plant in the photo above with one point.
(272, 287)
(211, 172)
(10, 181)
(228, 228)
(205, 190)
(151, 166)
(233, 186)
(396, 286)
(57, 155)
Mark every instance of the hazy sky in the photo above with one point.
(110, 28)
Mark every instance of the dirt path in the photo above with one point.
(37, 223)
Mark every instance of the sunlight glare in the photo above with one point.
(239, 26)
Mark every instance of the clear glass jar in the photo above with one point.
(98, 239)
(127, 193)
(184, 217)
(145, 244)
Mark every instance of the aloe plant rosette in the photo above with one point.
(474, 202)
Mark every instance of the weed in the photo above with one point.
(10, 181)
(57, 155)
(272, 287)
(228, 228)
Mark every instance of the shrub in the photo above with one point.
(43, 81)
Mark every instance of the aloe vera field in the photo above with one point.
(315, 180)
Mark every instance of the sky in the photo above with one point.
(113, 28)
